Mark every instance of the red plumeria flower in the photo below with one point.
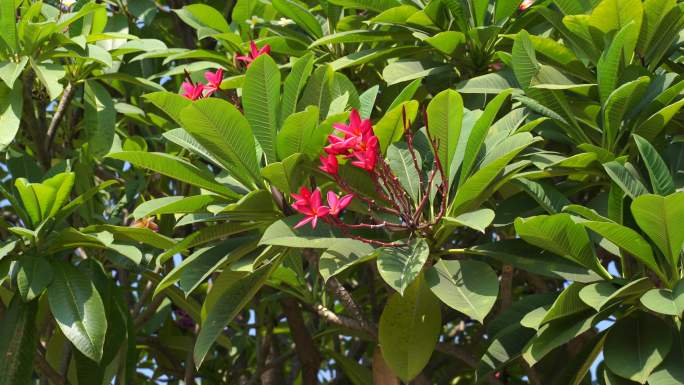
(214, 80)
(367, 156)
(338, 204)
(525, 5)
(329, 164)
(310, 205)
(254, 53)
(356, 127)
(192, 91)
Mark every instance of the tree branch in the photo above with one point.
(305, 346)
(51, 374)
(64, 101)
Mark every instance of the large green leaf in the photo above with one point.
(174, 205)
(525, 65)
(636, 345)
(18, 339)
(521, 255)
(225, 133)
(342, 254)
(33, 276)
(402, 164)
(8, 24)
(617, 105)
(11, 104)
(603, 294)
(231, 300)
(626, 239)
(445, 115)
(201, 16)
(261, 99)
(666, 301)
(470, 287)
(300, 134)
(658, 172)
(99, 118)
(400, 265)
(409, 328)
(662, 219)
(609, 65)
(627, 180)
(174, 167)
(613, 15)
(560, 235)
(300, 15)
(294, 84)
(282, 233)
(390, 128)
(477, 134)
(170, 103)
(78, 309)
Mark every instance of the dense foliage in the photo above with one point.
(342, 191)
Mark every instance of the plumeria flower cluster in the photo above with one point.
(357, 144)
(194, 91)
(254, 52)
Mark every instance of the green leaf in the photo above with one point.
(193, 270)
(445, 116)
(231, 300)
(390, 128)
(174, 167)
(318, 91)
(199, 16)
(470, 287)
(33, 276)
(617, 105)
(560, 235)
(373, 5)
(261, 98)
(661, 180)
(11, 104)
(557, 333)
(662, 219)
(399, 266)
(367, 100)
(288, 175)
(283, 233)
(294, 84)
(614, 15)
(525, 65)
(300, 15)
(50, 74)
(546, 195)
(99, 118)
(447, 42)
(174, 205)
(170, 103)
(625, 179)
(300, 134)
(666, 301)
(355, 372)
(359, 36)
(655, 123)
(18, 341)
(567, 303)
(477, 220)
(220, 128)
(402, 165)
(78, 309)
(342, 254)
(627, 239)
(636, 345)
(523, 256)
(608, 66)
(600, 295)
(409, 328)
(8, 24)
(477, 134)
